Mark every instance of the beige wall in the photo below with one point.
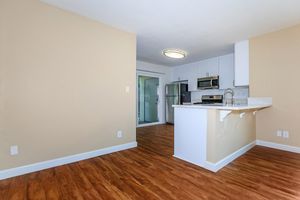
(62, 82)
(228, 136)
(275, 72)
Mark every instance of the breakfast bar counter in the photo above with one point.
(253, 103)
(211, 136)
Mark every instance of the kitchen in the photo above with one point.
(222, 68)
(219, 88)
(230, 71)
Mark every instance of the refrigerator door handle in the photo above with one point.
(179, 94)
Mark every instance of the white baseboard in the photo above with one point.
(278, 146)
(225, 161)
(4, 174)
(214, 167)
(189, 161)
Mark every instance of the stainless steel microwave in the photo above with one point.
(211, 82)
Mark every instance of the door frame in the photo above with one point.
(160, 100)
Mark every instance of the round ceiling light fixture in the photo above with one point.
(174, 53)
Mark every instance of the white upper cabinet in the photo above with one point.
(226, 71)
(208, 67)
(241, 63)
(192, 81)
(180, 74)
(188, 73)
(222, 66)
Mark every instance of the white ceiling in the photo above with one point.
(204, 28)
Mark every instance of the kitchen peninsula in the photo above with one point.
(212, 136)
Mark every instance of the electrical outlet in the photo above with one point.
(119, 134)
(14, 150)
(285, 134)
(127, 89)
(279, 133)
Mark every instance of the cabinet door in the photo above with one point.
(192, 72)
(193, 82)
(180, 74)
(226, 69)
(208, 67)
(241, 63)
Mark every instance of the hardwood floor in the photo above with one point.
(150, 172)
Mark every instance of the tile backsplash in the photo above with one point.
(240, 94)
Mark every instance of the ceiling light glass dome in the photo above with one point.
(174, 53)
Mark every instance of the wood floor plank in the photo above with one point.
(100, 183)
(85, 187)
(18, 188)
(151, 172)
(68, 189)
(48, 182)
(35, 191)
(4, 188)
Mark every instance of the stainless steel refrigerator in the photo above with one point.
(176, 94)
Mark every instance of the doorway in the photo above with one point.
(148, 99)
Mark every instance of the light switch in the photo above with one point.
(279, 133)
(14, 150)
(127, 89)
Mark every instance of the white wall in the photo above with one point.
(159, 69)
(164, 73)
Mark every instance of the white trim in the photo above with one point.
(189, 161)
(8, 173)
(225, 161)
(161, 100)
(150, 124)
(278, 146)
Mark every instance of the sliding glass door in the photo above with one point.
(147, 99)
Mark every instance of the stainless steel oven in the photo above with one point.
(211, 82)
